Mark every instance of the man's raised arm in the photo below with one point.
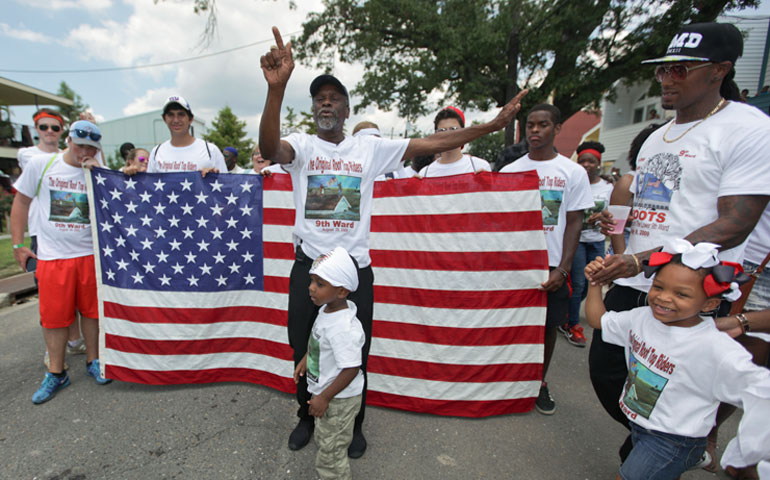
(443, 141)
(277, 65)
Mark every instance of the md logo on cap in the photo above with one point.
(685, 40)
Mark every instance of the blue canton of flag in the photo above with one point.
(179, 231)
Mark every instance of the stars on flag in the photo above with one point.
(179, 231)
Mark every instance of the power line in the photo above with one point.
(149, 65)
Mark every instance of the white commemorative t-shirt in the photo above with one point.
(677, 184)
(601, 192)
(677, 376)
(24, 156)
(64, 228)
(333, 186)
(335, 343)
(168, 158)
(466, 164)
(564, 188)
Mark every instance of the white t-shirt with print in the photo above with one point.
(564, 187)
(335, 343)
(64, 228)
(333, 186)
(168, 158)
(24, 156)
(601, 192)
(677, 376)
(677, 184)
(758, 245)
(466, 164)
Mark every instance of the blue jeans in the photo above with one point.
(660, 456)
(585, 253)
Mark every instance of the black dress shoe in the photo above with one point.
(301, 434)
(358, 445)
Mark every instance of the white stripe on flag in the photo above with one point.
(202, 361)
(458, 242)
(234, 298)
(430, 352)
(459, 280)
(476, 202)
(458, 391)
(458, 317)
(176, 331)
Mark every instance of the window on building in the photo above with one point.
(638, 114)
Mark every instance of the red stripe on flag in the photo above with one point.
(480, 299)
(276, 284)
(278, 216)
(469, 337)
(278, 250)
(466, 183)
(197, 347)
(443, 372)
(277, 182)
(176, 377)
(453, 408)
(196, 316)
(459, 222)
(454, 261)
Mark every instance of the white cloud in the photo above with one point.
(85, 5)
(24, 34)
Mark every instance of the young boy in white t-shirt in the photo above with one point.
(333, 360)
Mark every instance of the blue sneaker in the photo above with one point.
(93, 371)
(50, 386)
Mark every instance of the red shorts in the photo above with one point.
(65, 286)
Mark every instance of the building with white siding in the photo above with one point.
(633, 108)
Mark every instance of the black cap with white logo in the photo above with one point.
(704, 42)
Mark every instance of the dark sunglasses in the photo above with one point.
(141, 159)
(87, 133)
(44, 127)
(676, 72)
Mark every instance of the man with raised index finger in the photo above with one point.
(333, 181)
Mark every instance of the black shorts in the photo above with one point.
(557, 311)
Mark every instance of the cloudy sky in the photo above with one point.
(56, 35)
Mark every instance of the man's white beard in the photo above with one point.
(327, 123)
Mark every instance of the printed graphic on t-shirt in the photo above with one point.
(551, 203)
(313, 354)
(657, 180)
(642, 389)
(598, 207)
(69, 207)
(335, 197)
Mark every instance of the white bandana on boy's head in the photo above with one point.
(337, 268)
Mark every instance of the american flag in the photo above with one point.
(458, 320)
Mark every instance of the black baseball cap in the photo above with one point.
(704, 42)
(326, 79)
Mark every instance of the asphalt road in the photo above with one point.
(240, 431)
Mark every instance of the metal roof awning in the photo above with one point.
(15, 93)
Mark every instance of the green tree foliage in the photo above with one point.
(488, 147)
(479, 53)
(72, 112)
(114, 160)
(228, 131)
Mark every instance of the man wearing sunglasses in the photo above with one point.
(66, 271)
(702, 177)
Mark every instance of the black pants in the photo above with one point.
(607, 362)
(302, 315)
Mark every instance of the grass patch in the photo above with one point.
(8, 265)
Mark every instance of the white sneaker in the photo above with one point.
(78, 349)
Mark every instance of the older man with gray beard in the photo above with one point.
(333, 181)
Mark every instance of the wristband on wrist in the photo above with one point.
(743, 322)
(636, 261)
(563, 272)
(18, 245)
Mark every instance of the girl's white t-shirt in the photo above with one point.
(601, 192)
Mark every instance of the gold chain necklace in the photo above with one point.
(719, 105)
